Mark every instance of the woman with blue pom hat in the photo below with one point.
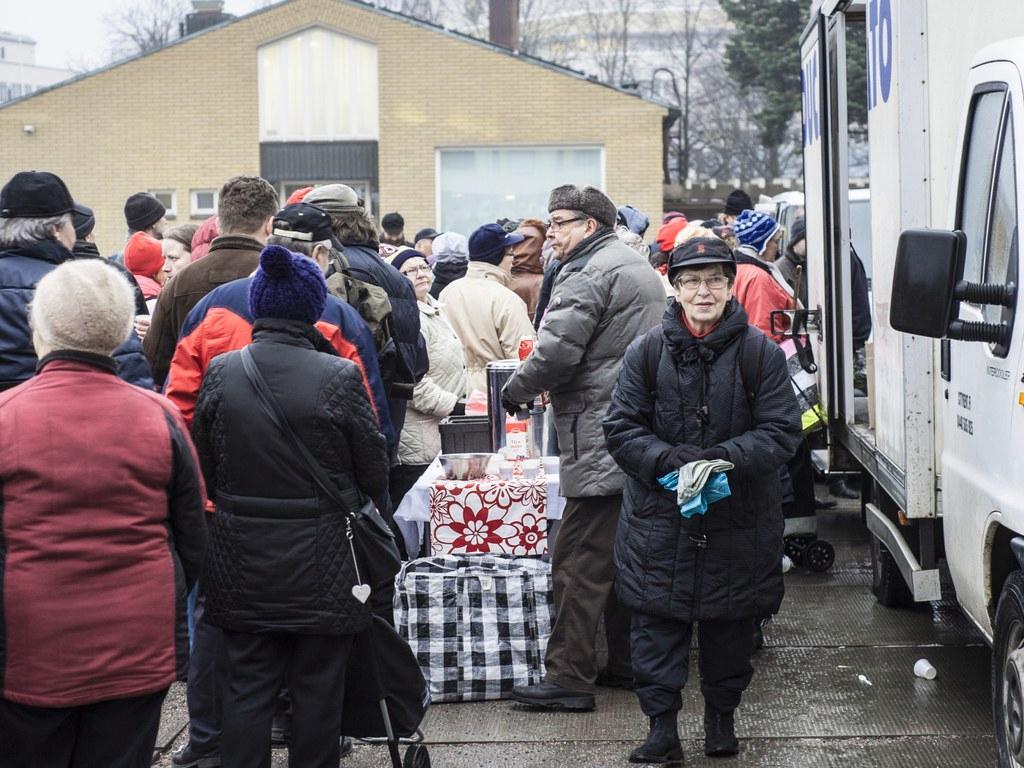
(281, 578)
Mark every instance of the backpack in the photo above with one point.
(750, 363)
(374, 306)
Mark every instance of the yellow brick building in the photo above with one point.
(448, 130)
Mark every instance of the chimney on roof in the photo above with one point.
(205, 13)
(504, 20)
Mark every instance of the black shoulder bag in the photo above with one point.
(380, 559)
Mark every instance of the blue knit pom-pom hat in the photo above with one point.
(287, 285)
(755, 228)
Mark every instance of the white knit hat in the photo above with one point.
(84, 306)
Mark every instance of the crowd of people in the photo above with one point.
(160, 521)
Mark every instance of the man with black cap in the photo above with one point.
(36, 235)
(736, 203)
(488, 317)
(394, 229)
(142, 213)
(424, 241)
(604, 295)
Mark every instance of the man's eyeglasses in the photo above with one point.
(413, 270)
(558, 224)
(691, 283)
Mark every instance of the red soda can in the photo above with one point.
(525, 347)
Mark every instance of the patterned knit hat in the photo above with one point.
(755, 229)
(288, 286)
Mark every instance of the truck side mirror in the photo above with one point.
(929, 263)
(928, 286)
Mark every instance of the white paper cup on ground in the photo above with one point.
(923, 668)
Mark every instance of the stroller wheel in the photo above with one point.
(819, 556)
(795, 548)
(416, 756)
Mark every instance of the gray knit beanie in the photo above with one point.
(588, 200)
(84, 306)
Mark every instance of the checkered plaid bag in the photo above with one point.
(478, 624)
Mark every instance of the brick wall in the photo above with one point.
(186, 117)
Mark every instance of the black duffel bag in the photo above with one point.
(382, 667)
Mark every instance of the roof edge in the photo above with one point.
(363, 5)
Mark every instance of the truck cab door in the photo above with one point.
(981, 403)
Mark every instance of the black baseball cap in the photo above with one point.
(698, 251)
(35, 195)
(303, 221)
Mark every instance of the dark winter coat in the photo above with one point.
(279, 559)
(21, 269)
(103, 533)
(366, 264)
(860, 306)
(727, 563)
(446, 273)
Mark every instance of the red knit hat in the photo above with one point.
(668, 232)
(297, 196)
(143, 255)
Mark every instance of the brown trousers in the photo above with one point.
(583, 573)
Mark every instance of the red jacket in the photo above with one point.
(103, 532)
(760, 294)
(221, 323)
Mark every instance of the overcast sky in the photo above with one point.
(70, 32)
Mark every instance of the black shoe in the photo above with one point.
(186, 758)
(841, 490)
(822, 504)
(551, 696)
(719, 734)
(607, 679)
(662, 745)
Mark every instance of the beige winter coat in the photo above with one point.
(437, 392)
(487, 316)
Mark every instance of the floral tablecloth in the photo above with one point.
(490, 516)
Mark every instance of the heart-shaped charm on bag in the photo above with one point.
(361, 592)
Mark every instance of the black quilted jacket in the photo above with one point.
(279, 559)
(674, 389)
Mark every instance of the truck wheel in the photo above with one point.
(1008, 673)
(887, 582)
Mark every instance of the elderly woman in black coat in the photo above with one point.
(703, 385)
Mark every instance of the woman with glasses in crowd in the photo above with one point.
(441, 392)
(701, 386)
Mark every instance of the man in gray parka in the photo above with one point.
(604, 295)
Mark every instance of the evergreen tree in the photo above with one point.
(763, 59)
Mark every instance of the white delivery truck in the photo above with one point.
(941, 442)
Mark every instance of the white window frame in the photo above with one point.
(475, 147)
(194, 208)
(172, 209)
(308, 135)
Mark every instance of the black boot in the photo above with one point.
(662, 745)
(719, 733)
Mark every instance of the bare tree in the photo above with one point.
(607, 23)
(141, 26)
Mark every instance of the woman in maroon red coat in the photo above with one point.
(102, 531)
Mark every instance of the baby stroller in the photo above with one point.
(386, 710)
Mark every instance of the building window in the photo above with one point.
(518, 181)
(204, 202)
(168, 199)
(318, 85)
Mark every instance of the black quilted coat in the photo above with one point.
(726, 564)
(279, 559)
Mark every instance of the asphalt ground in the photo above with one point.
(834, 686)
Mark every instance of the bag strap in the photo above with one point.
(750, 365)
(272, 408)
